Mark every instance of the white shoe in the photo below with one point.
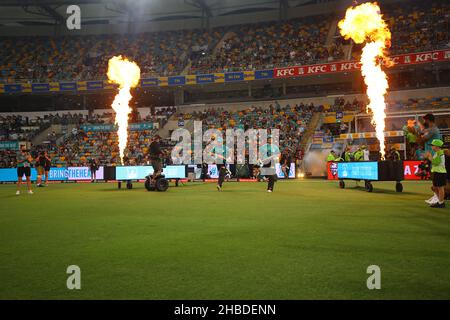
(269, 190)
(30, 191)
(432, 200)
(17, 192)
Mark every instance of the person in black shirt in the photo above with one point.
(93, 166)
(204, 174)
(40, 168)
(156, 156)
(285, 162)
(271, 153)
(222, 171)
(47, 166)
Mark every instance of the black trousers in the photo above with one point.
(271, 183)
(222, 175)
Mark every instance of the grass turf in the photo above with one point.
(307, 240)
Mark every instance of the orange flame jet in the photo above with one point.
(365, 24)
(126, 74)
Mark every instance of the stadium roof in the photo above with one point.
(49, 12)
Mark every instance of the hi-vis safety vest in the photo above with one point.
(348, 156)
(359, 155)
(438, 162)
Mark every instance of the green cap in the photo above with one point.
(437, 143)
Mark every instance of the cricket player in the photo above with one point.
(271, 153)
(24, 160)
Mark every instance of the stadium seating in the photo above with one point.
(42, 59)
(266, 45)
(419, 27)
(419, 104)
(79, 148)
(292, 120)
(16, 127)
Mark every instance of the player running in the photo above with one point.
(271, 153)
(221, 168)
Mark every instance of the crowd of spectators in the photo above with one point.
(43, 59)
(341, 104)
(416, 27)
(7, 158)
(420, 26)
(17, 127)
(76, 146)
(79, 146)
(292, 121)
(102, 146)
(271, 44)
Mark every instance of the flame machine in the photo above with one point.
(370, 171)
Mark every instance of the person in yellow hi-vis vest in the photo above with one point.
(439, 174)
(348, 155)
(359, 154)
(332, 156)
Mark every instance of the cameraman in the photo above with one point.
(156, 156)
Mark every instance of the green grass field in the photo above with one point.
(307, 240)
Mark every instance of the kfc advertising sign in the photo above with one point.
(349, 66)
(286, 72)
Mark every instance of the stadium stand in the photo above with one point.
(292, 121)
(266, 45)
(41, 58)
(16, 127)
(78, 146)
(300, 41)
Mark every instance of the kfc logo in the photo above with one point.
(349, 66)
(317, 69)
(288, 72)
(426, 57)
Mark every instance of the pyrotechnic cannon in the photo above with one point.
(370, 171)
